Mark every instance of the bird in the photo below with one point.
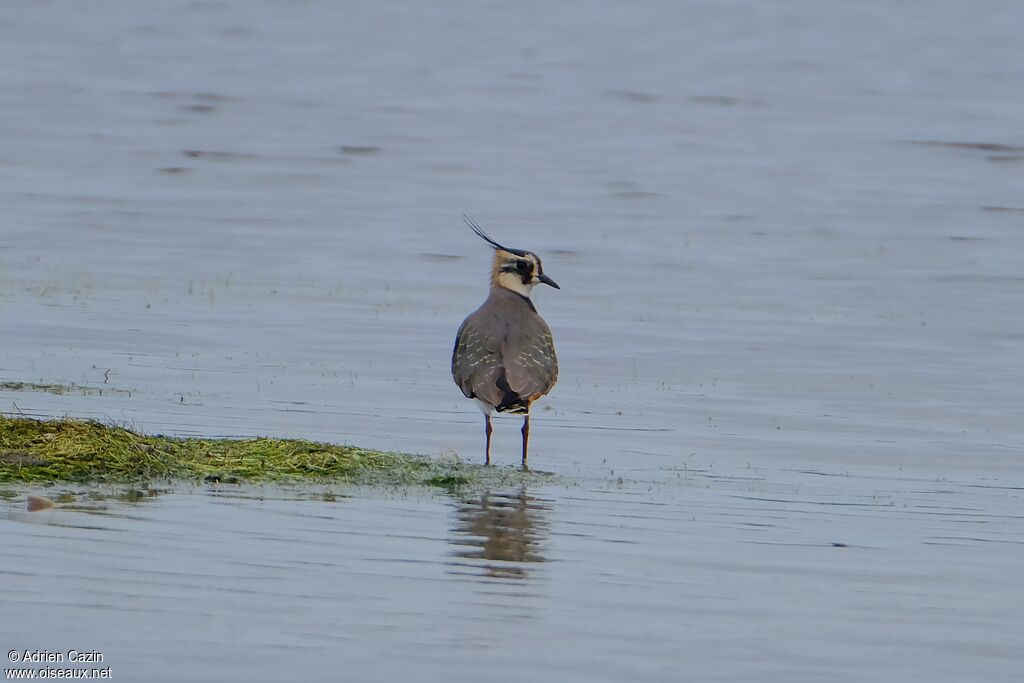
(504, 355)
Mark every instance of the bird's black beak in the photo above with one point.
(548, 281)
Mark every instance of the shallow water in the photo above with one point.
(787, 434)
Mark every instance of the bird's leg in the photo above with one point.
(487, 431)
(526, 437)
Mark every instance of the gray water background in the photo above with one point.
(787, 435)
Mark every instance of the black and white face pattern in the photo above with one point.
(514, 269)
(519, 271)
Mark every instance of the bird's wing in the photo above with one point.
(531, 366)
(476, 363)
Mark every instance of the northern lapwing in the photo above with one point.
(504, 354)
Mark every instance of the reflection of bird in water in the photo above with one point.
(502, 528)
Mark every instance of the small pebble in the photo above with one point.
(37, 503)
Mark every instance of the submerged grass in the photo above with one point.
(69, 450)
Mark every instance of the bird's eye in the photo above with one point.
(522, 266)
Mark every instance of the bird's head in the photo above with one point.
(513, 269)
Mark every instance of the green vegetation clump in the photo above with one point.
(70, 450)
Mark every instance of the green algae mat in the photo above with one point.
(70, 450)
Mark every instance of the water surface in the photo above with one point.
(787, 434)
